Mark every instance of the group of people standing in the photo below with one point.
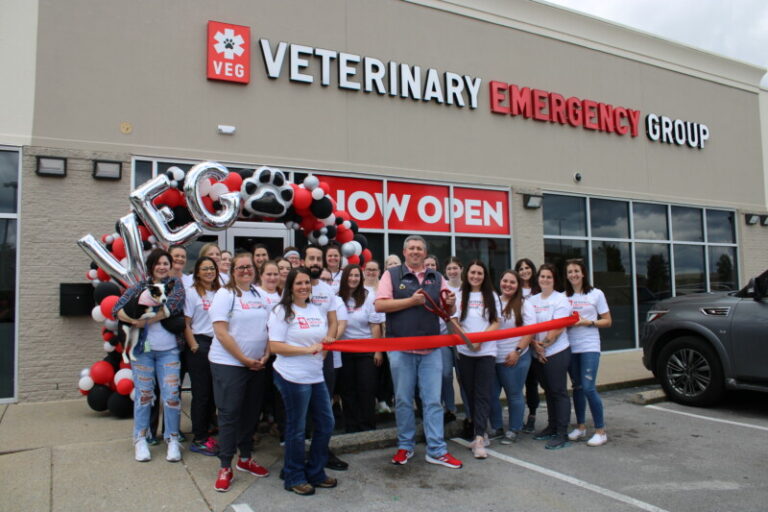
(251, 325)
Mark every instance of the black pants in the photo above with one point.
(357, 386)
(238, 392)
(476, 376)
(554, 380)
(532, 389)
(385, 390)
(203, 406)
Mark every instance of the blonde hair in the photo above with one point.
(204, 249)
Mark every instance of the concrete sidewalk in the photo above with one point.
(62, 456)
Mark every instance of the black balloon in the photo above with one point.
(321, 208)
(353, 226)
(181, 216)
(146, 245)
(120, 405)
(316, 233)
(331, 231)
(360, 238)
(104, 290)
(94, 266)
(114, 358)
(339, 220)
(98, 397)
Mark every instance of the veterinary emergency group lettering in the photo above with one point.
(229, 60)
(421, 207)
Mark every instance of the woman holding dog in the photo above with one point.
(238, 355)
(157, 359)
(199, 336)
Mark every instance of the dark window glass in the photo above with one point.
(653, 276)
(564, 215)
(722, 269)
(494, 252)
(376, 246)
(7, 306)
(650, 221)
(440, 246)
(612, 273)
(557, 252)
(193, 250)
(609, 219)
(9, 181)
(720, 227)
(689, 269)
(142, 172)
(687, 224)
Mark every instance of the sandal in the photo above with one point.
(302, 489)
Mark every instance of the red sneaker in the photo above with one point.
(401, 457)
(446, 460)
(252, 467)
(223, 480)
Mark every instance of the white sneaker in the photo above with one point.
(577, 434)
(509, 437)
(141, 450)
(174, 450)
(598, 440)
(384, 408)
(478, 451)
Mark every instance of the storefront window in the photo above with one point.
(9, 181)
(142, 172)
(565, 215)
(650, 221)
(689, 269)
(609, 219)
(720, 227)
(557, 252)
(653, 276)
(494, 252)
(9, 192)
(687, 224)
(440, 246)
(722, 269)
(612, 273)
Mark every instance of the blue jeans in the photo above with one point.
(407, 370)
(300, 399)
(448, 398)
(164, 367)
(583, 371)
(512, 379)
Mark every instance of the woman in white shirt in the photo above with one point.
(238, 355)
(478, 311)
(199, 336)
(357, 376)
(453, 270)
(553, 355)
(527, 272)
(296, 331)
(269, 281)
(332, 257)
(590, 304)
(513, 357)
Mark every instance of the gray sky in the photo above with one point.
(732, 28)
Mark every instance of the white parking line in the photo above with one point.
(718, 420)
(242, 507)
(569, 479)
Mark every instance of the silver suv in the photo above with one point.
(699, 345)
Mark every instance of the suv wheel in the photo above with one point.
(690, 372)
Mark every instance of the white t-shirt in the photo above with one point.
(187, 280)
(526, 293)
(476, 321)
(507, 345)
(359, 319)
(336, 283)
(271, 299)
(553, 307)
(307, 327)
(443, 326)
(196, 308)
(159, 338)
(323, 297)
(587, 338)
(247, 324)
(341, 316)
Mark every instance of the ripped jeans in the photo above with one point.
(164, 366)
(583, 371)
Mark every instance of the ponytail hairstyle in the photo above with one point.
(486, 289)
(515, 304)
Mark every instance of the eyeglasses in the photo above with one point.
(207, 269)
(244, 268)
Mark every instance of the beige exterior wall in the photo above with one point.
(100, 64)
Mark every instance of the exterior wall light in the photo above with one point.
(226, 129)
(532, 201)
(107, 170)
(751, 219)
(51, 166)
(764, 220)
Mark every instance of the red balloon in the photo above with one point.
(84, 392)
(233, 181)
(326, 187)
(353, 260)
(107, 335)
(344, 215)
(333, 203)
(123, 364)
(102, 373)
(308, 224)
(208, 202)
(171, 198)
(125, 386)
(118, 248)
(344, 235)
(367, 256)
(104, 238)
(318, 225)
(119, 350)
(102, 275)
(107, 304)
(302, 198)
(145, 234)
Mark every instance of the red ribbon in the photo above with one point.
(445, 340)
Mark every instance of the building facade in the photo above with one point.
(498, 130)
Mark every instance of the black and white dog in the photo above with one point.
(143, 306)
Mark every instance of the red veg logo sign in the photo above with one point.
(229, 52)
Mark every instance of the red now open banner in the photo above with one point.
(445, 340)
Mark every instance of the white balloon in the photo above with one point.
(97, 315)
(311, 182)
(93, 274)
(125, 373)
(109, 239)
(322, 240)
(85, 372)
(358, 247)
(108, 347)
(176, 173)
(204, 187)
(329, 220)
(318, 193)
(133, 394)
(217, 191)
(111, 324)
(347, 224)
(85, 383)
(348, 249)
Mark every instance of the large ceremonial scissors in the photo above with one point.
(441, 310)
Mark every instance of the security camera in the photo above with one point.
(577, 177)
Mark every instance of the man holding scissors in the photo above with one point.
(402, 295)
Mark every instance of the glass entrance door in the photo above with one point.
(243, 238)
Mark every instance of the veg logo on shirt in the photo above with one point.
(206, 304)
